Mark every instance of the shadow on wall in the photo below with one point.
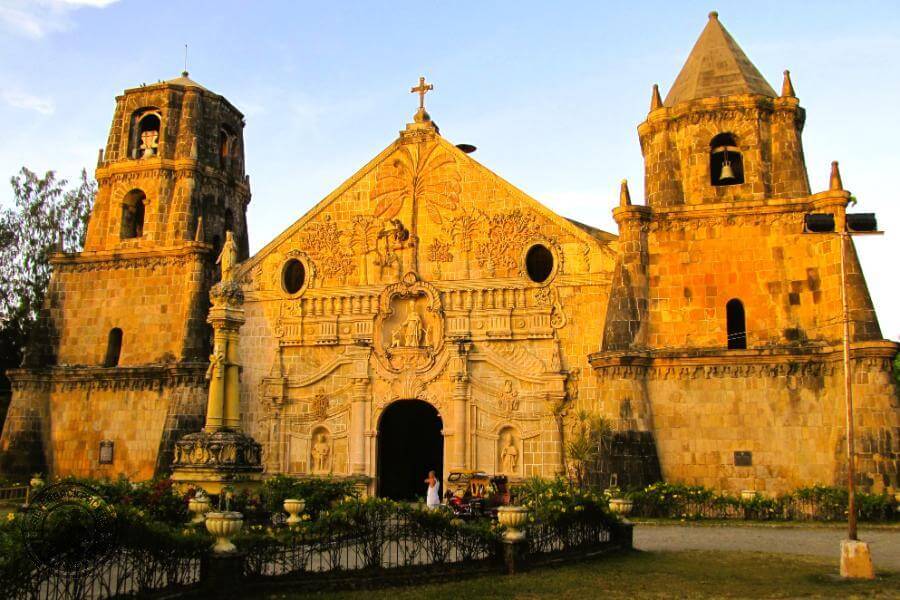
(631, 463)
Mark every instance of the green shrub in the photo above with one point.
(319, 493)
(557, 502)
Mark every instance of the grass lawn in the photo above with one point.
(842, 525)
(652, 575)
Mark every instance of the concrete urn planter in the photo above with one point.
(224, 526)
(199, 505)
(293, 508)
(621, 506)
(513, 518)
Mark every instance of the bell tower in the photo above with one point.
(722, 134)
(124, 342)
(172, 170)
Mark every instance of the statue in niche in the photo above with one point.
(228, 257)
(509, 398)
(149, 143)
(413, 328)
(321, 453)
(509, 456)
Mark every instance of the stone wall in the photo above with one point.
(59, 417)
(786, 410)
(149, 295)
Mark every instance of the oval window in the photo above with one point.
(539, 263)
(293, 276)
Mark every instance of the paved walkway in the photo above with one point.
(884, 544)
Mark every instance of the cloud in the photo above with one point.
(37, 18)
(20, 99)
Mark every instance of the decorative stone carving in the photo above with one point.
(322, 242)
(319, 406)
(409, 328)
(227, 449)
(423, 173)
(507, 234)
(508, 398)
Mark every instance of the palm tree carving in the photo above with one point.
(420, 172)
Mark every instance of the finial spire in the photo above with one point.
(787, 88)
(655, 99)
(834, 183)
(624, 195)
(185, 72)
(714, 15)
(422, 89)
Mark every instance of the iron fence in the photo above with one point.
(393, 548)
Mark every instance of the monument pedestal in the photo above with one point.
(213, 460)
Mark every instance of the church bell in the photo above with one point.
(727, 173)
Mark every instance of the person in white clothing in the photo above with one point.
(433, 498)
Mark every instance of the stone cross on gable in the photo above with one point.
(422, 89)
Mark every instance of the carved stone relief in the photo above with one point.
(409, 328)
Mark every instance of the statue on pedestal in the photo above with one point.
(228, 257)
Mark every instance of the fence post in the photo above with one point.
(624, 534)
(221, 575)
(514, 553)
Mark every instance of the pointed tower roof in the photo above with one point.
(185, 81)
(717, 67)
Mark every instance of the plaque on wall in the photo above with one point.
(106, 452)
(743, 458)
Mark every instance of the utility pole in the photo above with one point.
(844, 237)
(856, 562)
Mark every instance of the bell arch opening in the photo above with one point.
(410, 443)
(726, 165)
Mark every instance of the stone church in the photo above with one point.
(427, 314)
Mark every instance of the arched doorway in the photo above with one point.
(410, 444)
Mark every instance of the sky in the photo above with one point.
(551, 93)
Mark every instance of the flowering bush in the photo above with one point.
(157, 499)
(557, 501)
(666, 500)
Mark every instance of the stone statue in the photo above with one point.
(149, 143)
(321, 451)
(397, 337)
(413, 329)
(228, 257)
(509, 456)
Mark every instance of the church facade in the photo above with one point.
(427, 314)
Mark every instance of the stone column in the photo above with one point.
(232, 416)
(460, 414)
(215, 405)
(359, 398)
(460, 403)
(223, 409)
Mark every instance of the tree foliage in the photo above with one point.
(47, 215)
